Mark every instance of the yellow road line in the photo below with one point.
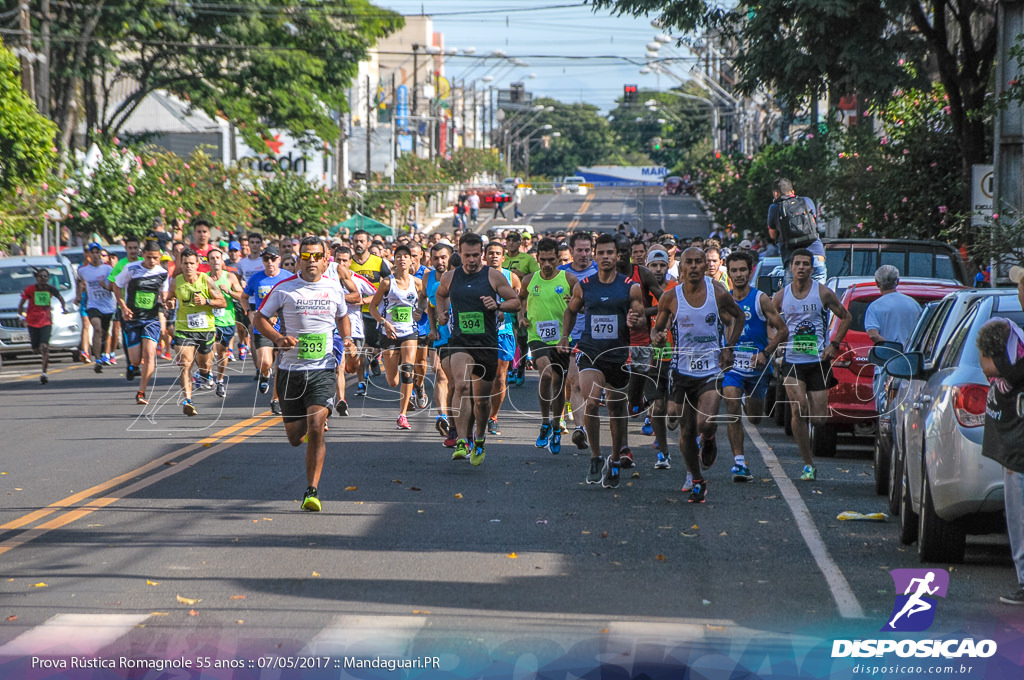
(143, 469)
(583, 209)
(100, 503)
(35, 376)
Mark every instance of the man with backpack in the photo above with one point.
(792, 223)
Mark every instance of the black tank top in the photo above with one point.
(473, 325)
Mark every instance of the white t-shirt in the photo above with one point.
(355, 314)
(247, 267)
(98, 297)
(308, 310)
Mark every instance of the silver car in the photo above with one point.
(947, 488)
(17, 273)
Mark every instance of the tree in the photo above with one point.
(261, 64)
(805, 47)
(680, 122)
(586, 139)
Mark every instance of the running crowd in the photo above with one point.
(643, 328)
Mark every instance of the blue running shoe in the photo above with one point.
(740, 473)
(555, 444)
(545, 434)
(647, 429)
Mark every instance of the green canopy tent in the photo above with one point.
(360, 221)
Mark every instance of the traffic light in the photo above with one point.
(656, 144)
(629, 94)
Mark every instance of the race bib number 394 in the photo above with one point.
(471, 323)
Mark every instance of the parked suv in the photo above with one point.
(948, 488)
(852, 401)
(926, 259)
(17, 273)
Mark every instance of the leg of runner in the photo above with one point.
(311, 430)
(618, 414)
(145, 363)
(734, 407)
(707, 424)
(688, 438)
(440, 393)
(44, 353)
(186, 354)
(420, 374)
(497, 396)
(797, 393)
(98, 341)
(591, 382)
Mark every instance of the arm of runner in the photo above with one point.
(655, 289)
(572, 309)
(778, 332)
(441, 301)
(637, 316)
(172, 290)
(21, 304)
(831, 302)
(261, 321)
(344, 326)
(378, 297)
(216, 297)
(63, 305)
(524, 294)
(666, 310)
(510, 299)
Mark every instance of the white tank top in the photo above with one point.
(398, 306)
(805, 320)
(697, 333)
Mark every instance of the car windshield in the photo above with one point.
(14, 278)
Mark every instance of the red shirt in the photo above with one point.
(38, 314)
(203, 252)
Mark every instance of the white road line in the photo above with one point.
(846, 601)
(72, 634)
(367, 635)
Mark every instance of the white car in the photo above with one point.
(17, 273)
(574, 185)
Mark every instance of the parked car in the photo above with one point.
(852, 401)
(926, 259)
(765, 277)
(76, 254)
(510, 184)
(17, 273)
(948, 489)
(673, 185)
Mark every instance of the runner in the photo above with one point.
(223, 319)
(582, 266)
(444, 423)
(141, 290)
(197, 297)
(246, 267)
(473, 291)
(201, 243)
(372, 268)
(544, 295)
(39, 319)
(100, 303)
(752, 358)
(311, 308)
(131, 249)
(396, 307)
(494, 255)
(807, 365)
(698, 310)
(522, 264)
(257, 288)
(358, 291)
(656, 386)
(610, 305)
(418, 269)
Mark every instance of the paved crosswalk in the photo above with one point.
(607, 217)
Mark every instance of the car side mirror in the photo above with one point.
(883, 352)
(904, 366)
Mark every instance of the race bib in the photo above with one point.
(312, 346)
(805, 344)
(219, 312)
(199, 321)
(548, 331)
(471, 323)
(743, 359)
(700, 364)
(401, 314)
(604, 327)
(144, 299)
(662, 353)
(42, 298)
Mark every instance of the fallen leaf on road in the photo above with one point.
(695, 527)
(762, 521)
(724, 533)
(351, 488)
(152, 583)
(12, 617)
(603, 631)
(237, 597)
(38, 585)
(240, 621)
(159, 614)
(415, 488)
(458, 495)
(267, 519)
(604, 534)
(582, 532)
(705, 602)
(188, 600)
(316, 574)
(688, 534)
(193, 612)
(636, 475)
(420, 611)
(396, 481)
(659, 558)
(512, 556)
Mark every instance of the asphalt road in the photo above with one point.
(147, 532)
(604, 208)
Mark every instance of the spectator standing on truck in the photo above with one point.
(792, 223)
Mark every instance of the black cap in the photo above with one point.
(271, 251)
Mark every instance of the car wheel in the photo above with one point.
(908, 518)
(823, 441)
(895, 481)
(882, 459)
(937, 539)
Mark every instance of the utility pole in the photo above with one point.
(415, 97)
(1007, 195)
(369, 112)
(44, 60)
(28, 81)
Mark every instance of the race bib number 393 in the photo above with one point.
(312, 346)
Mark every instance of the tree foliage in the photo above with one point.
(586, 139)
(680, 122)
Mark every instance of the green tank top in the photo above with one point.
(545, 306)
(224, 317)
(190, 317)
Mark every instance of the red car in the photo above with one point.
(489, 196)
(852, 402)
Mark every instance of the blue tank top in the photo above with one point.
(605, 332)
(755, 334)
(423, 325)
(432, 281)
(507, 325)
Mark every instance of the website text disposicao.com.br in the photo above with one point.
(913, 670)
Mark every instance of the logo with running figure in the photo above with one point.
(916, 590)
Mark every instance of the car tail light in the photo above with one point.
(969, 404)
(844, 357)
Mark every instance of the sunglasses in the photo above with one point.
(269, 258)
(316, 257)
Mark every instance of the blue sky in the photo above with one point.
(547, 35)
